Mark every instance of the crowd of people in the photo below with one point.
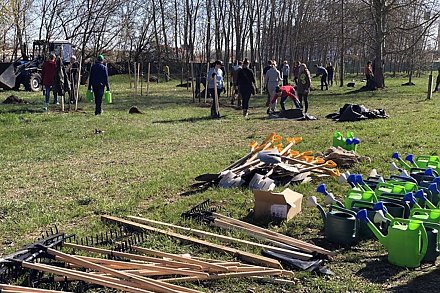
(62, 80)
(278, 84)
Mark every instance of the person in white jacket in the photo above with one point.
(272, 79)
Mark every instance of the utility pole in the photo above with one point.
(341, 67)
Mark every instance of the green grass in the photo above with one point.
(54, 169)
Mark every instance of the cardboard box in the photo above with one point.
(284, 205)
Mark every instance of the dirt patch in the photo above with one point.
(14, 100)
(134, 110)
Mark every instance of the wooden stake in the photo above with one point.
(139, 74)
(273, 235)
(131, 256)
(120, 265)
(79, 83)
(129, 73)
(206, 82)
(204, 234)
(145, 283)
(204, 265)
(82, 276)
(244, 256)
(192, 82)
(13, 288)
(135, 79)
(148, 78)
(227, 275)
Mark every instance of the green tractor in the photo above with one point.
(26, 71)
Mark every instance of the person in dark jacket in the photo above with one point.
(246, 85)
(98, 82)
(62, 83)
(74, 78)
(296, 71)
(303, 88)
(48, 79)
(331, 73)
(321, 71)
(437, 82)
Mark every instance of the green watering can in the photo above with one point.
(108, 97)
(385, 187)
(357, 194)
(426, 215)
(89, 95)
(430, 220)
(364, 230)
(406, 242)
(340, 224)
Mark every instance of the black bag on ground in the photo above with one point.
(292, 114)
(354, 112)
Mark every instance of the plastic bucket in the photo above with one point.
(108, 97)
(89, 95)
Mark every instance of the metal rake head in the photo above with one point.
(201, 212)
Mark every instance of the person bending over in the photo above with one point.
(283, 92)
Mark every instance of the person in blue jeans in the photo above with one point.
(48, 80)
(215, 77)
(98, 82)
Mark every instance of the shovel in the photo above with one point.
(262, 182)
(230, 180)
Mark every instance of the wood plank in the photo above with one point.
(132, 256)
(138, 266)
(244, 256)
(204, 234)
(271, 272)
(83, 277)
(14, 288)
(155, 270)
(180, 258)
(143, 282)
(274, 235)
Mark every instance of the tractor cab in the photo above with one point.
(27, 70)
(61, 48)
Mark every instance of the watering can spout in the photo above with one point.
(362, 215)
(313, 202)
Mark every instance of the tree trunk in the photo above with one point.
(379, 13)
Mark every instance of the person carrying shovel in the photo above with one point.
(215, 87)
(284, 92)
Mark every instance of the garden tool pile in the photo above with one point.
(401, 211)
(271, 164)
(59, 262)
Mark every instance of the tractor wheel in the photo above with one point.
(34, 82)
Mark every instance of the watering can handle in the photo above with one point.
(424, 211)
(424, 243)
(341, 209)
(362, 202)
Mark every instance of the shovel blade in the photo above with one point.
(261, 182)
(230, 180)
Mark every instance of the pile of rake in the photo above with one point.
(271, 164)
(128, 268)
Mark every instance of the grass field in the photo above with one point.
(54, 169)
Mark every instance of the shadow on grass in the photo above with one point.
(24, 110)
(425, 283)
(190, 119)
(379, 271)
